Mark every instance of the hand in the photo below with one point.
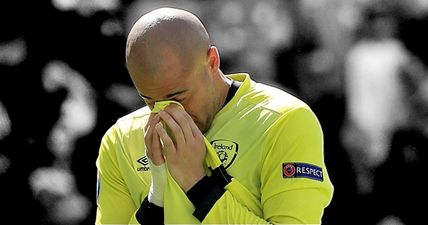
(152, 141)
(156, 161)
(184, 145)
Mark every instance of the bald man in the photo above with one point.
(152, 163)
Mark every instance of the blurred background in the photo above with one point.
(360, 64)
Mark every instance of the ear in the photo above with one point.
(213, 58)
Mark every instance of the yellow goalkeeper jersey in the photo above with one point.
(269, 141)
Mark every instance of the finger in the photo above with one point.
(177, 132)
(182, 118)
(156, 150)
(148, 136)
(152, 121)
(167, 141)
(149, 120)
(195, 129)
(148, 139)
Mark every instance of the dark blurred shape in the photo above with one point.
(399, 188)
(414, 33)
(330, 111)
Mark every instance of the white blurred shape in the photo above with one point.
(375, 93)
(56, 189)
(70, 210)
(65, 5)
(124, 95)
(78, 111)
(422, 4)
(105, 4)
(111, 27)
(51, 180)
(86, 7)
(5, 123)
(13, 52)
(53, 77)
(391, 220)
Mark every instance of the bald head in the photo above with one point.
(165, 39)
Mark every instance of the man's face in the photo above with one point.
(193, 89)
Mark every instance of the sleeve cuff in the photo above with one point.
(207, 191)
(149, 213)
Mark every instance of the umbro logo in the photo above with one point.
(144, 161)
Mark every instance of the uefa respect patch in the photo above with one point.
(302, 170)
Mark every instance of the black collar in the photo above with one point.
(232, 91)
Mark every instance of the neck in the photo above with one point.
(224, 85)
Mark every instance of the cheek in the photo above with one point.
(201, 104)
(197, 109)
(193, 110)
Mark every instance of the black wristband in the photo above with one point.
(207, 191)
(149, 213)
(221, 176)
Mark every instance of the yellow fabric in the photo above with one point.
(254, 134)
(177, 207)
(133, 219)
(176, 204)
(160, 105)
(116, 204)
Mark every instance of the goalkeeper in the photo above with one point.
(159, 164)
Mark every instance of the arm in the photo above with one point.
(114, 202)
(295, 138)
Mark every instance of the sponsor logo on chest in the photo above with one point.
(144, 161)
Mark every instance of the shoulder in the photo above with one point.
(265, 103)
(289, 112)
(139, 114)
(274, 99)
(122, 138)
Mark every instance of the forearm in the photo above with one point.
(228, 210)
(234, 206)
(214, 201)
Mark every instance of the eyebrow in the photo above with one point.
(169, 96)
